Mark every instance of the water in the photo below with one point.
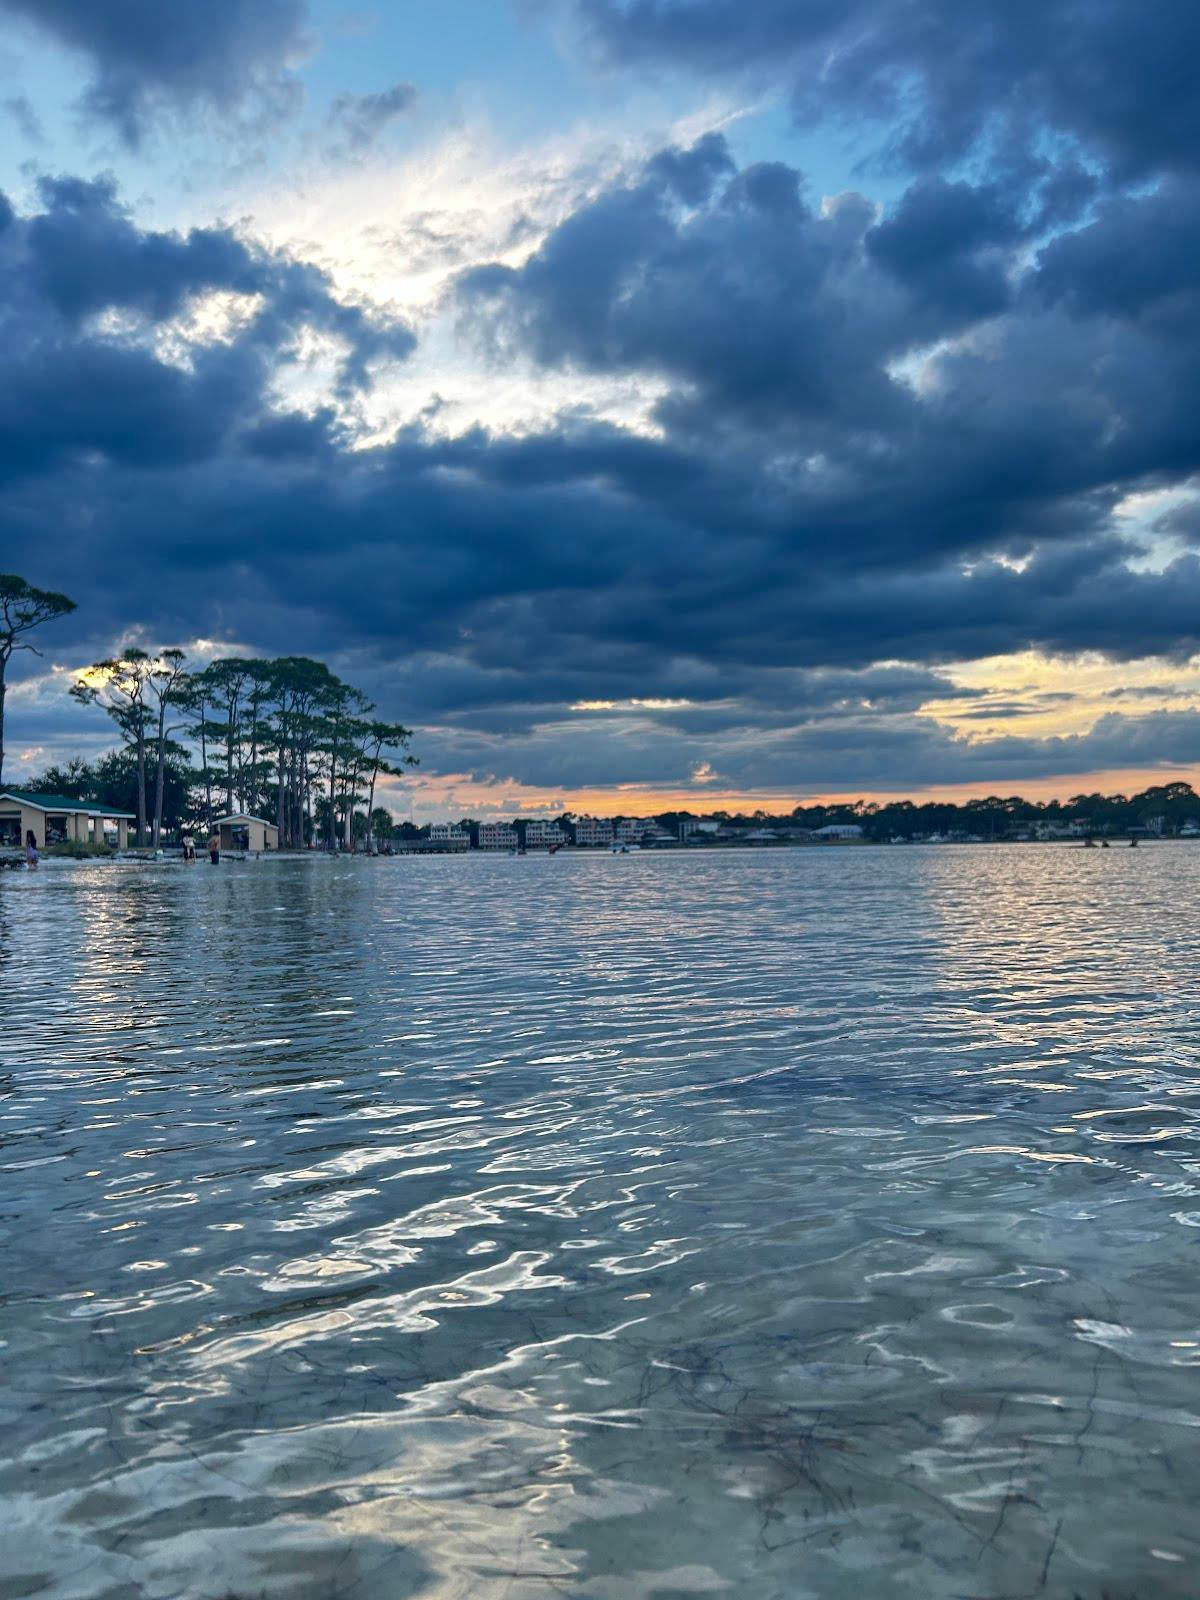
(798, 1224)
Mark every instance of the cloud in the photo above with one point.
(1135, 260)
(938, 78)
(21, 110)
(87, 299)
(147, 56)
(880, 441)
(880, 390)
(361, 118)
(835, 752)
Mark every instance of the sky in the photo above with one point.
(650, 402)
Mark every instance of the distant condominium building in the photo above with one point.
(449, 836)
(698, 828)
(497, 836)
(543, 835)
(594, 831)
(630, 829)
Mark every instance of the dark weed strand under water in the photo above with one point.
(803, 1225)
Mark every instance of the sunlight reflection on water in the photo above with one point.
(808, 1223)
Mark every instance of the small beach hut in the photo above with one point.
(243, 832)
(54, 819)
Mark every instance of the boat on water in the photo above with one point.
(623, 849)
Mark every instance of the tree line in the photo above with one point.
(986, 817)
(1170, 806)
(284, 739)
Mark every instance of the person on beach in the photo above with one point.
(214, 848)
(31, 850)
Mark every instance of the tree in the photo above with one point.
(376, 738)
(74, 781)
(281, 727)
(23, 608)
(297, 690)
(118, 686)
(225, 679)
(381, 824)
(194, 701)
(168, 683)
(341, 708)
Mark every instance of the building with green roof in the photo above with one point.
(56, 819)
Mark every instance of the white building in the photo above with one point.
(840, 830)
(449, 836)
(497, 836)
(543, 835)
(1056, 830)
(630, 830)
(593, 831)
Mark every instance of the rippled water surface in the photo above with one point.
(811, 1223)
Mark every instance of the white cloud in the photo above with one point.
(395, 229)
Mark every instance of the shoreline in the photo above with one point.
(14, 860)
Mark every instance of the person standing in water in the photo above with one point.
(189, 848)
(214, 848)
(31, 849)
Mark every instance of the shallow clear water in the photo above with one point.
(812, 1223)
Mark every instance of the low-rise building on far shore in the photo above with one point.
(242, 832)
(449, 836)
(544, 835)
(699, 828)
(655, 834)
(497, 836)
(591, 832)
(55, 819)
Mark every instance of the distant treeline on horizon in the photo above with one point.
(1163, 808)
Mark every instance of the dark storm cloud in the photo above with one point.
(739, 291)
(947, 242)
(77, 387)
(939, 75)
(847, 753)
(1136, 260)
(842, 534)
(146, 53)
(887, 439)
(787, 337)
